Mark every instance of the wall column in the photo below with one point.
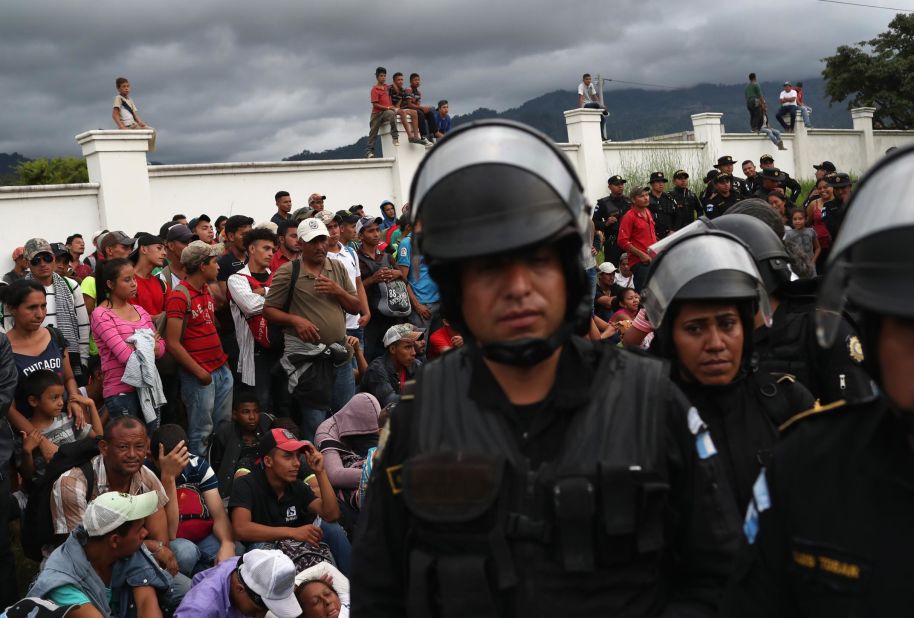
(117, 162)
(406, 158)
(708, 130)
(584, 130)
(863, 121)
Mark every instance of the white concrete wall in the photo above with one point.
(52, 212)
(636, 160)
(248, 188)
(743, 146)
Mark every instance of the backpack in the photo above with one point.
(394, 299)
(37, 525)
(195, 522)
(265, 334)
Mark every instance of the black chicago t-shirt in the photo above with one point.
(254, 493)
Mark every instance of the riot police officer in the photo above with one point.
(608, 213)
(527, 473)
(829, 529)
(788, 344)
(703, 294)
(688, 208)
(662, 205)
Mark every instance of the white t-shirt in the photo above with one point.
(126, 117)
(623, 281)
(347, 258)
(588, 92)
(788, 94)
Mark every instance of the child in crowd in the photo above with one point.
(44, 392)
(802, 245)
(234, 448)
(442, 119)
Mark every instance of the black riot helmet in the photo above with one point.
(763, 243)
(495, 187)
(871, 264)
(704, 266)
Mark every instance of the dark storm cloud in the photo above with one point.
(226, 81)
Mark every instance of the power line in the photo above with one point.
(868, 6)
(622, 81)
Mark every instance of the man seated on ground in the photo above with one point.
(118, 467)
(102, 566)
(386, 374)
(198, 524)
(236, 443)
(261, 580)
(606, 279)
(271, 504)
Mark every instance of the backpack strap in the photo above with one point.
(166, 272)
(58, 337)
(296, 271)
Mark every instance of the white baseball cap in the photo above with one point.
(607, 268)
(270, 574)
(113, 509)
(309, 229)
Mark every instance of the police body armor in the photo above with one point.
(664, 210)
(492, 537)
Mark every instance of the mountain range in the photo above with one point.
(636, 113)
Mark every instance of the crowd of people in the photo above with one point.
(423, 124)
(452, 412)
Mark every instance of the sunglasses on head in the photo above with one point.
(47, 258)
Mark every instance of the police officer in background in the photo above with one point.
(834, 210)
(724, 196)
(753, 180)
(725, 166)
(829, 529)
(688, 208)
(788, 345)
(791, 187)
(703, 294)
(708, 191)
(528, 473)
(661, 205)
(771, 180)
(608, 213)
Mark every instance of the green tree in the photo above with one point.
(60, 171)
(877, 73)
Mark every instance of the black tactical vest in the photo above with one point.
(582, 535)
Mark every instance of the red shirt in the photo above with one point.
(380, 99)
(150, 294)
(200, 338)
(279, 258)
(440, 340)
(636, 231)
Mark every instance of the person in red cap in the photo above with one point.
(20, 266)
(271, 504)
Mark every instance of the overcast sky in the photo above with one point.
(231, 81)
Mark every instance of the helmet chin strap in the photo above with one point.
(527, 352)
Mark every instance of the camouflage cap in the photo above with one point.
(197, 252)
(34, 246)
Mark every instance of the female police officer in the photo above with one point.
(528, 473)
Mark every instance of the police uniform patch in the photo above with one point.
(855, 349)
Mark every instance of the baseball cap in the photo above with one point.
(117, 237)
(58, 249)
(347, 217)
(309, 229)
(111, 510)
(283, 439)
(34, 246)
(144, 240)
(325, 217)
(181, 233)
(198, 252)
(772, 173)
(270, 574)
(787, 84)
(98, 233)
(766, 157)
(365, 222)
(680, 174)
(300, 214)
(607, 268)
(355, 208)
(401, 331)
(316, 197)
(827, 166)
(723, 178)
(18, 252)
(193, 222)
(711, 175)
(657, 177)
(616, 180)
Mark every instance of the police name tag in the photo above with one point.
(703, 442)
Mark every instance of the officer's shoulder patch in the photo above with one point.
(814, 411)
(855, 349)
(395, 478)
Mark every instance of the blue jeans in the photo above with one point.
(805, 110)
(773, 134)
(128, 404)
(207, 406)
(785, 110)
(308, 418)
(336, 539)
(195, 557)
(343, 386)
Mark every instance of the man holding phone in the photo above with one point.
(375, 267)
(271, 504)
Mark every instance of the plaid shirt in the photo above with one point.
(68, 497)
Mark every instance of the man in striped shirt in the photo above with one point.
(192, 339)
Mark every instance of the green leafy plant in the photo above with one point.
(60, 171)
